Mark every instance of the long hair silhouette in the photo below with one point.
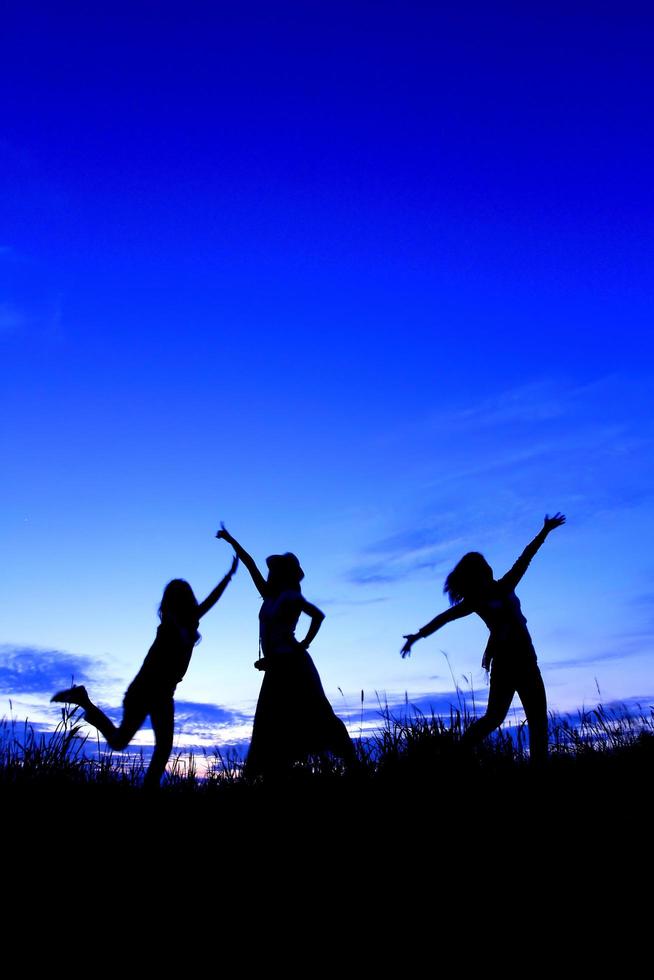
(152, 690)
(509, 653)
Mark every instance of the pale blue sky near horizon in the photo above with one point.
(370, 285)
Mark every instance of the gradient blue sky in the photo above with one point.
(370, 282)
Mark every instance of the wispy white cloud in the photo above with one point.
(543, 404)
(373, 712)
(29, 670)
(206, 720)
(477, 472)
(587, 660)
(391, 571)
(538, 401)
(637, 706)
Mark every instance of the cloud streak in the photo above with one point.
(588, 660)
(541, 404)
(401, 707)
(480, 472)
(406, 552)
(207, 720)
(28, 670)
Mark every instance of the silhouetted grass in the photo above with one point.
(408, 745)
(58, 757)
(415, 795)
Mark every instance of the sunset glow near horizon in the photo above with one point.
(368, 284)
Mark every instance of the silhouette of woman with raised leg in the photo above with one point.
(151, 692)
(293, 718)
(509, 654)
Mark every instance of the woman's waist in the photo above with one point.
(509, 648)
(279, 650)
(149, 683)
(514, 631)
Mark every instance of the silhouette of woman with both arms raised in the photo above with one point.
(509, 654)
(293, 718)
(151, 692)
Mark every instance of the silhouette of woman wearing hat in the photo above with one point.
(293, 718)
(509, 654)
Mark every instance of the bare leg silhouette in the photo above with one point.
(136, 707)
(162, 716)
(506, 681)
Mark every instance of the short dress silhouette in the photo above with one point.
(509, 644)
(165, 664)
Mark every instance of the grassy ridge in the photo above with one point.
(407, 748)
(416, 805)
(463, 847)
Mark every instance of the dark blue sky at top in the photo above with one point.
(251, 254)
(235, 151)
(360, 189)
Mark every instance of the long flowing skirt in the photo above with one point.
(293, 718)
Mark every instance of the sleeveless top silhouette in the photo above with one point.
(167, 660)
(509, 641)
(293, 716)
(278, 619)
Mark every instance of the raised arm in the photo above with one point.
(516, 572)
(317, 617)
(454, 612)
(247, 560)
(215, 595)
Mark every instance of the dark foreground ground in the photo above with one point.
(432, 807)
(432, 858)
(478, 843)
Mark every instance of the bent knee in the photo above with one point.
(120, 739)
(119, 743)
(494, 718)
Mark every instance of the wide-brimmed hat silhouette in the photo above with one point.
(286, 565)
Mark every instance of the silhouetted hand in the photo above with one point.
(551, 522)
(224, 534)
(410, 640)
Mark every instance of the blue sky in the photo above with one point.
(369, 283)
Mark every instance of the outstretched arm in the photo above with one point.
(214, 596)
(317, 617)
(247, 560)
(516, 572)
(455, 612)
